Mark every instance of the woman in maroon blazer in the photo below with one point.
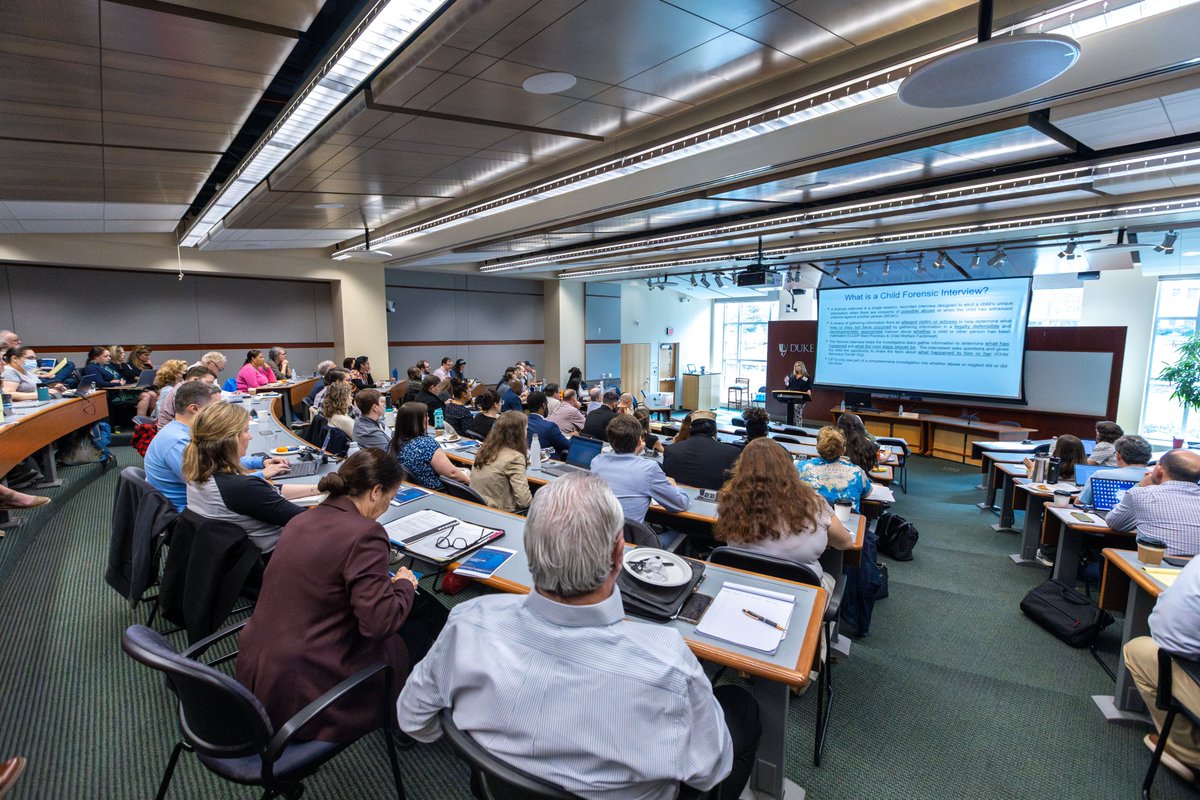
(328, 608)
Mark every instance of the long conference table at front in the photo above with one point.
(952, 438)
(775, 673)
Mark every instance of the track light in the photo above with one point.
(649, 284)
(836, 269)
(1068, 252)
(704, 281)
(975, 261)
(693, 280)
(1168, 243)
(998, 257)
(887, 265)
(940, 261)
(921, 263)
(858, 271)
(720, 283)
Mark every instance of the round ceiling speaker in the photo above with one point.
(548, 82)
(990, 70)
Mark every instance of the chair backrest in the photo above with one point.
(339, 442)
(640, 534)
(230, 385)
(764, 565)
(470, 434)
(894, 441)
(1042, 449)
(1009, 423)
(217, 715)
(788, 439)
(500, 781)
(738, 422)
(462, 491)
(742, 382)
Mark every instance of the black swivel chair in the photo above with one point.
(227, 727)
(491, 778)
(462, 491)
(640, 534)
(791, 571)
(1008, 423)
(901, 469)
(1167, 701)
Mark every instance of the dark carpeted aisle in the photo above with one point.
(953, 695)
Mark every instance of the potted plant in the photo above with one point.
(1184, 377)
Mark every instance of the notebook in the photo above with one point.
(726, 618)
(439, 538)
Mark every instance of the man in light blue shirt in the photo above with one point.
(1133, 454)
(164, 456)
(571, 691)
(635, 480)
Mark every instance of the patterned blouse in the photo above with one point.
(834, 480)
(416, 456)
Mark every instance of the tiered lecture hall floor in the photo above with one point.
(954, 695)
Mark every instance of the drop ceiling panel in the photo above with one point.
(860, 21)
(294, 14)
(144, 130)
(1113, 127)
(793, 34)
(34, 121)
(38, 171)
(726, 14)
(512, 24)
(511, 73)
(70, 21)
(714, 67)
(500, 103)
(1183, 110)
(597, 119)
(134, 92)
(44, 81)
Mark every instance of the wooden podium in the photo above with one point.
(701, 391)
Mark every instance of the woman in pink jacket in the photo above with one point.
(254, 372)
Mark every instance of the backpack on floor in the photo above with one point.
(1066, 613)
(897, 536)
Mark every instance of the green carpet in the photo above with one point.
(953, 695)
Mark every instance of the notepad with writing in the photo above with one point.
(726, 618)
(1163, 575)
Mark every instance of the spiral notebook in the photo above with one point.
(726, 618)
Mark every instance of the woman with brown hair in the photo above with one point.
(1069, 452)
(418, 452)
(765, 508)
(335, 407)
(1104, 454)
(168, 377)
(859, 448)
(499, 470)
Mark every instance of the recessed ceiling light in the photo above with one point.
(1192, 253)
(329, 205)
(548, 82)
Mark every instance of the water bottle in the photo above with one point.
(437, 418)
(535, 453)
(843, 405)
(901, 411)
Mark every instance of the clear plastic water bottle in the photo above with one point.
(535, 454)
(901, 411)
(843, 405)
(437, 418)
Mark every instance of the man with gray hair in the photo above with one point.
(213, 361)
(604, 706)
(1133, 454)
(9, 340)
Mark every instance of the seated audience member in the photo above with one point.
(530, 373)
(499, 469)
(798, 381)
(1165, 505)
(166, 407)
(459, 371)
(456, 412)
(123, 367)
(423, 368)
(361, 375)
(418, 452)
(508, 376)
(573, 626)
(322, 370)
(307, 636)
(19, 378)
(1133, 456)
(1104, 454)
(860, 450)
(766, 508)
(596, 424)
(757, 419)
(1069, 452)
(699, 459)
(1175, 627)
(510, 398)
(547, 432)
(442, 390)
(595, 399)
(335, 407)
(575, 380)
(833, 475)
(649, 440)
(218, 486)
(12, 500)
(428, 395)
(489, 409)
(443, 371)
(164, 456)
(625, 404)
(685, 429)
(139, 358)
(254, 372)
(553, 396)
(99, 370)
(567, 415)
(414, 385)
(636, 481)
(277, 360)
(137, 362)
(348, 363)
(335, 375)
(215, 362)
(9, 340)
(370, 429)
(169, 376)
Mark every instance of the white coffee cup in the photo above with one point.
(1062, 498)
(842, 509)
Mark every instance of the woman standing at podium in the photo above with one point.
(798, 381)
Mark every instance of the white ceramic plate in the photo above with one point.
(656, 567)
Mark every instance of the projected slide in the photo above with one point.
(960, 338)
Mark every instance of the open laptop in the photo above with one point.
(303, 469)
(147, 377)
(1107, 492)
(1085, 471)
(579, 457)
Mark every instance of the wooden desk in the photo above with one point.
(990, 460)
(789, 666)
(1127, 587)
(701, 391)
(291, 394)
(1071, 533)
(943, 437)
(34, 427)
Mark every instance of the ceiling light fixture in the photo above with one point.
(998, 257)
(1068, 252)
(887, 265)
(548, 82)
(858, 271)
(1168, 243)
(649, 284)
(329, 205)
(940, 261)
(704, 281)
(878, 84)
(837, 268)
(921, 263)
(382, 31)
(975, 261)
(720, 282)
(693, 280)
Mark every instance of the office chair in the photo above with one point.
(491, 778)
(1166, 700)
(227, 727)
(640, 534)
(791, 571)
(462, 491)
(1008, 423)
(901, 468)
(788, 439)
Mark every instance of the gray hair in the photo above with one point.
(215, 357)
(324, 367)
(1133, 449)
(572, 527)
(274, 352)
(594, 393)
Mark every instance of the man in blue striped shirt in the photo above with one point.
(558, 684)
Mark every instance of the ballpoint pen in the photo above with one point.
(763, 619)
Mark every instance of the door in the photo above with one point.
(635, 369)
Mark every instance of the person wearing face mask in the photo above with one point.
(306, 636)
(19, 378)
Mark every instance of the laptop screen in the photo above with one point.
(1107, 492)
(46, 363)
(583, 450)
(1084, 471)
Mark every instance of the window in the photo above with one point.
(1056, 307)
(1176, 315)
(744, 340)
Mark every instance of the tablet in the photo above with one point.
(485, 562)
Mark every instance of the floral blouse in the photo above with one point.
(835, 480)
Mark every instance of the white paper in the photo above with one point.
(311, 500)
(726, 620)
(883, 494)
(399, 530)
